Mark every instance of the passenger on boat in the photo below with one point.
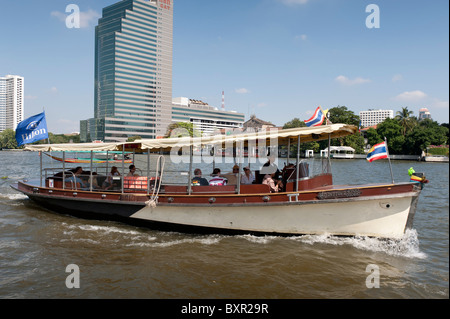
(232, 178)
(75, 177)
(132, 171)
(198, 180)
(269, 172)
(217, 180)
(247, 178)
(271, 163)
(109, 182)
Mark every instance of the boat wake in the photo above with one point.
(407, 246)
(13, 196)
(210, 240)
(96, 234)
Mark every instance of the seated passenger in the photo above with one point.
(132, 171)
(198, 180)
(269, 172)
(75, 177)
(110, 182)
(247, 178)
(232, 178)
(217, 180)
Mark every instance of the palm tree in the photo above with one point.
(405, 119)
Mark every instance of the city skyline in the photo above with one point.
(277, 59)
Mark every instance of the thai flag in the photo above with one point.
(377, 152)
(317, 118)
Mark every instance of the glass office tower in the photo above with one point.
(133, 70)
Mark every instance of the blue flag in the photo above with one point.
(32, 129)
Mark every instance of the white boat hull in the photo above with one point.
(374, 217)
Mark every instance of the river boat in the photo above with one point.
(305, 204)
(98, 158)
(339, 152)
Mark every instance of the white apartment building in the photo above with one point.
(374, 117)
(204, 117)
(11, 101)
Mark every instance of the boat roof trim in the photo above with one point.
(307, 134)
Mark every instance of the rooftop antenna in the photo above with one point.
(223, 100)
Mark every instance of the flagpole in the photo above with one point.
(48, 138)
(389, 159)
(326, 115)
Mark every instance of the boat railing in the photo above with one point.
(58, 179)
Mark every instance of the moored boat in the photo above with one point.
(305, 203)
(100, 158)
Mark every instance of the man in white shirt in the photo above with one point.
(247, 178)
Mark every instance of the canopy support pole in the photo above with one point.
(298, 164)
(191, 159)
(64, 170)
(123, 168)
(40, 156)
(240, 159)
(148, 172)
(90, 177)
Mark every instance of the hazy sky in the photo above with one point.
(278, 59)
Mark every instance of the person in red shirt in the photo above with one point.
(217, 180)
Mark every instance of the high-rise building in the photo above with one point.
(11, 101)
(374, 117)
(424, 114)
(133, 71)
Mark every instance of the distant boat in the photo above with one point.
(85, 160)
(339, 152)
(436, 158)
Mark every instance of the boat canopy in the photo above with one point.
(306, 134)
(72, 147)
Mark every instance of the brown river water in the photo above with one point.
(119, 261)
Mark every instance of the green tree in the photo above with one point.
(134, 138)
(8, 139)
(182, 129)
(296, 122)
(341, 114)
(372, 137)
(404, 117)
(393, 131)
(446, 125)
(426, 133)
